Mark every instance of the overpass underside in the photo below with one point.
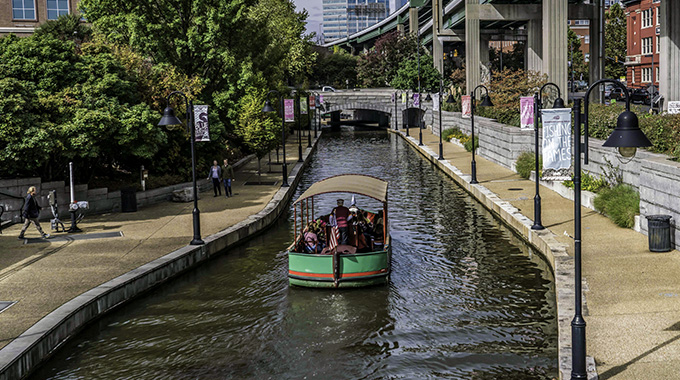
(444, 25)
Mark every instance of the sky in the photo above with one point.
(315, 10)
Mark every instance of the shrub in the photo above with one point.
(447, 134)
(589, 183)
(526, 162)
(620, 204)
(468, 144)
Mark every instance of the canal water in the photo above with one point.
(466, 299)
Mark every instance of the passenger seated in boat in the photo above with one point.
(311, 240)
(342, 218)
(378, 227)
(364, 233)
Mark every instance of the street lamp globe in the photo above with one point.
(450, 99)
(487, 101)
(267, 107)
(627, 136)
(559, 103)
(169, 119)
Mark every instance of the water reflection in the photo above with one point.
(466, 300)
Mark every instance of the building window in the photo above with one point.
(647, 45)
(23, 9)
(658, 45)
(56, 8)
(646, 74)
(658, 15)
(587, 39)
(632, 74)
(647, 17)
(656, 75)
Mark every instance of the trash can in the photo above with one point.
(659, 232)
(128, 200)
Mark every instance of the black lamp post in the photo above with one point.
(316, 112)
(538, 102)
(408, 116)
(420, 100)
(627, 137)
(396, 119)
(268, 108)
(486, 103)
(169, 119)
(309, 122)
(449, 100)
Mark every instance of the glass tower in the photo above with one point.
(342, 18)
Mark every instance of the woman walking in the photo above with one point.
(31, 212)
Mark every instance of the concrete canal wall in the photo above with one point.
(32, 347)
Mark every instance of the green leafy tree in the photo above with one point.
(379, 66)
(337, 68)
(615, 42)
(578, 63)
(407, 75)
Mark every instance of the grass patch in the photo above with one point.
(620, 203)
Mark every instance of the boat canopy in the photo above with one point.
(349, 183)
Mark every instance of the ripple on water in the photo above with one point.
(466, 300)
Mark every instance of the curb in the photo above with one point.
(26, 352)
(543, 242)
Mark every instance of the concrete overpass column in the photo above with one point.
(555, 42)
(596, 61)
(669, 57)
(472, 40)
(534, 55)
(437, 44)
(413, 20)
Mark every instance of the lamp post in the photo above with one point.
(486, 103)
(169, 119)
(420, 101)
(538, 102)
(316, 112)
(396, 119)
(408, 114)
(309, 122)
(449, 100)
(627, 137)
(268, 108)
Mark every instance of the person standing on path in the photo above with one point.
(227, 178)
(31, 212)
(216, 175)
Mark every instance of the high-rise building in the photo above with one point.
(342, 18)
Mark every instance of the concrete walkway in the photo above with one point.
(632, 294)
(44, 274)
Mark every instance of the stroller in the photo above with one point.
(56, 224)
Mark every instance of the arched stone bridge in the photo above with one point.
(379, 100)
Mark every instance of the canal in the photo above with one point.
(467, 299)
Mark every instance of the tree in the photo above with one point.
(337, 68)
(379, 66)
(615, 42)
(578, 64)
(407, 75)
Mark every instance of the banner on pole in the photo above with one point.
(435, 102)
(320, 99)
(557, 142)
(416, 100)
(526, 109)
(312, 102)
(466, 104)
(201, 130)
(303, 106)
(674, 107)
(289, 109)
(403, 98)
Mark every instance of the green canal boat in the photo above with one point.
(364, 260)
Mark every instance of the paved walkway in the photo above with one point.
(632, 294)
(43, 275)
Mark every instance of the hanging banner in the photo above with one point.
(202, 133)
(435, 102)
(466, 103)
(403, 98)
(320, 99)
(392, 97)
(303, 106)
(312, 102)
(289, 109)
(416, 100)
(674, 106)
(526, 111)
(556, 139)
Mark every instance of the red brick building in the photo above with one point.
(22, 17)
(642, 58)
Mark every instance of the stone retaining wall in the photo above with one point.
(101, 200)
(655, 176)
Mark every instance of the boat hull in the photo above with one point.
(353, 270)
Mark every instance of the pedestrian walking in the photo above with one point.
(31, 212)
(228, 177)
(215, 175)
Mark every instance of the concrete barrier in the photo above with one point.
(20, 357)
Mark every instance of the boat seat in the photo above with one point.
(342, 248)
